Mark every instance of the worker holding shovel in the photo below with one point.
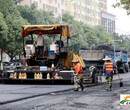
(108, 69)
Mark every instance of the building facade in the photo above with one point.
(91, 12)
(87, 11)
(108, 22)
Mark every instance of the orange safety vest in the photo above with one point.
(78, 68)
(109, 66)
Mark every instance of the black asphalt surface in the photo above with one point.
(92, 98)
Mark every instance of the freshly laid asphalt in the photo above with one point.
(62, 97)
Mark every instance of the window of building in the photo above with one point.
(55, 1)
(58, 4)
(87, 2)
(44, 7)
(75, 5)
(55, 10)
(35, 3)
(49, 1)
(62, 2)
(40, 1)
(63, 11)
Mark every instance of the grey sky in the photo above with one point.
(122, 19)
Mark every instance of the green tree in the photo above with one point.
(84, 36)
(14, 22)
(3, 33)
(124, 4)
(36, 17)
(102, 36)
(125, 41)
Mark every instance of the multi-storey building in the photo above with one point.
(108, 22)
(87, 11)
(56, 6)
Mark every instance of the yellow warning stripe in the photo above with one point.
(109, 69)
(109, 63)
(79, 58)
(109, 66)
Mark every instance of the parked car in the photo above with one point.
(12, 66)
(5, 63)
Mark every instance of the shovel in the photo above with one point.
(121, 83)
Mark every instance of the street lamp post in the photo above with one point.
(115, 47)
(60, 12)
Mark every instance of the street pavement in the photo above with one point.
(62, 97)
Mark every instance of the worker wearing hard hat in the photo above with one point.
(79, 75)
(108, 69)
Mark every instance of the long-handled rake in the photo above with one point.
(121, 83)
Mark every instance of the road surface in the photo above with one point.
(62, 97)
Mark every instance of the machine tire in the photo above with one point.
(93, 78)
(93, 71)
(124, 70)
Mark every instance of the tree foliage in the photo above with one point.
(14, 21)
(124, 4)
(3, 31)
(84, 36)
(123, 41)
(34, 16)
(13, 16)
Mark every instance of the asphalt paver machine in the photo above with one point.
(55, 61)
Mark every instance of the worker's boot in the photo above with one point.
(76, 89)
(81, 85)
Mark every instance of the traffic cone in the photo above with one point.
(11, 75)
(40, 76)
(15, 76)
(25, 75)
(20, 76)
(48, 76)
(35, 76)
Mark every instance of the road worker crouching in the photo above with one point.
(78, 77)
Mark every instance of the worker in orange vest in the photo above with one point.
(78, 75)
(108, 70)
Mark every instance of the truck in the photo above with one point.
(128, 58)
(55, 63)
(94, 57)
(121, 59)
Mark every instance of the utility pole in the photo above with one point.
(115, 47)
(60, 12)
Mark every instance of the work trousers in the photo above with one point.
(78, 80)
(109, 78)
(40, 50)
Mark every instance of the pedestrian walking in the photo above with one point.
(78, 78)
(108, 70)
